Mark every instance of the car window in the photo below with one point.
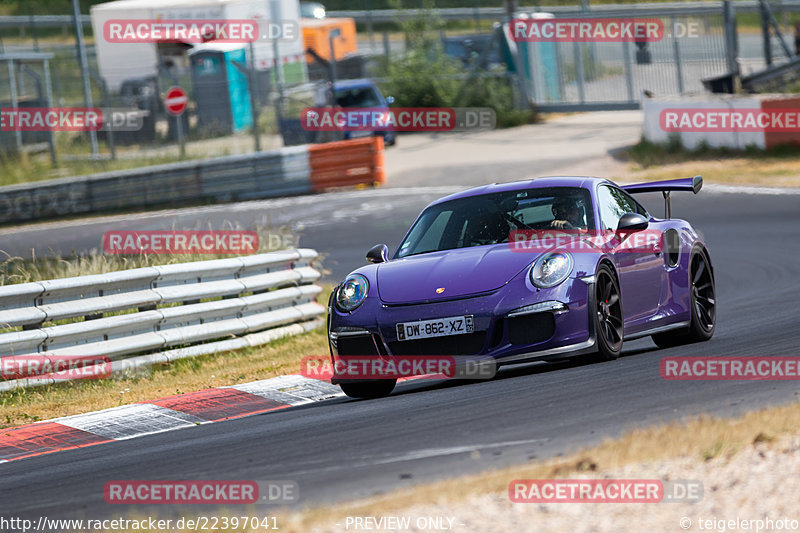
(359, 97)
(427, 233)
(614, 203)
(490, 218)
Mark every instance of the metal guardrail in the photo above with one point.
(185, 305)
(283, 172)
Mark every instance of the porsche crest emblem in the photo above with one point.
(440, 290)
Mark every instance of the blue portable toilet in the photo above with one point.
(221, 91)
(540, 64)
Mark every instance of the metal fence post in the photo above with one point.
(51, 136)
(580, 78)
(12, 79)
(370, 30)
(110, 127)
(87, 90)
(677, 52)
(626, 51)
(255, 97)
(33, 34)
(731, 38)
(765, 32)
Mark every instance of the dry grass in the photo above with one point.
(15, 269)
(766, 172)
(775, 167)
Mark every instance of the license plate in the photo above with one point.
(437, 327)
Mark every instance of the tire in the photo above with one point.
(703, 304)
(369, 389)
(607, 315)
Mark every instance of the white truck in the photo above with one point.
(119, 61)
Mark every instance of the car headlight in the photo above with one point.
(351, 292)
(551, 269)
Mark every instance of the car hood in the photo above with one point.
(459, 272)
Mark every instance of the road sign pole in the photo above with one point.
(181, 140)
(175, 103)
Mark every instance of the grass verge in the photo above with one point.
(280, 357)
(776, 167)
(15, 269)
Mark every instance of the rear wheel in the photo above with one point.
(369, 389)
(607, 315)
(702, 292)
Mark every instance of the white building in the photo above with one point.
(118, 61)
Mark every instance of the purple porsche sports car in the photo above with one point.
(540, 269)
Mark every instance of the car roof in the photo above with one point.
(353, 84)
(584, 182)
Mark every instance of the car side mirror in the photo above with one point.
(378, 254)
(630, 222)
(390, 99)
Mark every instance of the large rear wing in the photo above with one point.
(665, 187)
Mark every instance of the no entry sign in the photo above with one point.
(176, 101)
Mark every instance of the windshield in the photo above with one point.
(489, 218)
(359, 97)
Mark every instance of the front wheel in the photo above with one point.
(369, 389)
(607, 315)
(703, 302)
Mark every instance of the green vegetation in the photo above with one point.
(647, 154)
(425, 77)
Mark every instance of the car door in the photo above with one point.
(640, 272)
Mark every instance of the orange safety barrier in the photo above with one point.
(316, 35)
(347, 163)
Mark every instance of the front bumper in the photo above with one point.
(543, 324)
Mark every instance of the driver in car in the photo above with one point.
(487, 226)
(567, 214)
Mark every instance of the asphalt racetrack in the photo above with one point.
(343, 449)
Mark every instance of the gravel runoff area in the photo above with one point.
(756, 489)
